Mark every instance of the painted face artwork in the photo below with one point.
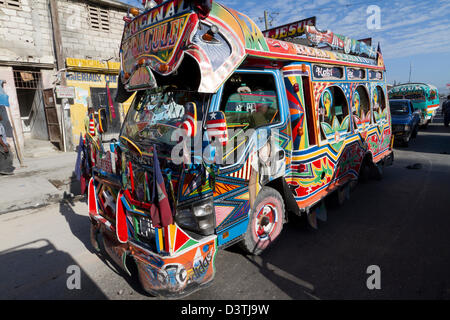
(375, 99)
(327, 101)
(356, 102)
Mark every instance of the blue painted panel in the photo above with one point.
(233, 232)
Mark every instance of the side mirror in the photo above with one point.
(102, 120)
(189, 124)
(216, 127)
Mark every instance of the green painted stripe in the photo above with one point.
(136, 223)
(188, 244)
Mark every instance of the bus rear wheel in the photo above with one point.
(265, 222)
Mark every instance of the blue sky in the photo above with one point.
(411, 31)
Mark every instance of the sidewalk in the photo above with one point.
(39, 181)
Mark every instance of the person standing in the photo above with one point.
(446, 111)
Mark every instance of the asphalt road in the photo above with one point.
(400, 224)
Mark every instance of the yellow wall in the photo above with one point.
(82, 82)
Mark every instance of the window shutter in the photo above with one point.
(10, 4)
(98, 18)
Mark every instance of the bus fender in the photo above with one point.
(282, 187)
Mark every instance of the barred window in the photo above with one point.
(10, 4)
(98, 18)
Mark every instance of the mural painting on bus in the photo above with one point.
(379, 135)
(335, 131)
(237, 187)
(336, 41)
(336, 159)
(311, 177)
(218, 58)
(300, 139)
(360, 117)
(379, 106)
(350, 161)
(192, 267)
(254, 38)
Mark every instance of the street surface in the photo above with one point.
(400, 224)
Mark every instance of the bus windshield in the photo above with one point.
(154, 116)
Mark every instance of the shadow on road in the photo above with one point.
(276, 262)
(80, 228)
(37, 270)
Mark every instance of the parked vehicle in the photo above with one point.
(405, 120)
(229, 132)
(424, 97)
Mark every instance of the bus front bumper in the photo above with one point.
(178, 274)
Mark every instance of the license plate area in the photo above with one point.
(145, 228)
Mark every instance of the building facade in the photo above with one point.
(45, 44)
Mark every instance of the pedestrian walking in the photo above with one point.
(6, 158)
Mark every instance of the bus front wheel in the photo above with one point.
(265, 222)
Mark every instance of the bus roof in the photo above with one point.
(219, 39)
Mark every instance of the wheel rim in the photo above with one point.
(266, 221)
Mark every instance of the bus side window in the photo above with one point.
(334, 116)
(379, 104)
(249, 101)
(361, 108)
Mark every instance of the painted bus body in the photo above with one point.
(425, 97)
(330, 117)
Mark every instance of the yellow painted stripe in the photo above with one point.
(160, 239)
(231, 152)
(172, 231)
(132, 143)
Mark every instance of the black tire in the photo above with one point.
(341, 194)
(377, 171)
(364, 171)
(338, 197)
(265, 223)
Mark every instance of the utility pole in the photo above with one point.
(60, 63)
(409, 81)
(266, 19)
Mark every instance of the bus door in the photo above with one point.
(254, 105)
(301, 107)
(299, 91)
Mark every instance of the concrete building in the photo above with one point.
(49, 43)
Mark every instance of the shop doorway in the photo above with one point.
(29, 90)
(51, 114)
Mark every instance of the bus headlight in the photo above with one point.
(199, 218)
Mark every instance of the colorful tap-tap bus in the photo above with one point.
(228, 135)
(425, 97)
